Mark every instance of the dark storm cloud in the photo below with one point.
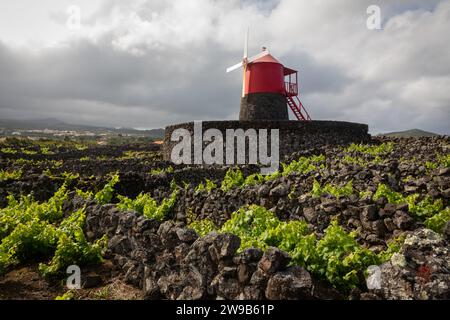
(317, 77)
(188, 86)
(158, 81)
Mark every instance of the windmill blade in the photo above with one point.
(244, 72)
(240, 64)
(259, 55)
(236, 66)
(246, 43)
(250, 60)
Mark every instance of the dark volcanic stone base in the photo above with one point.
(293, 135)
(263, 106)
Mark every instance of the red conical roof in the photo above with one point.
(267, 59)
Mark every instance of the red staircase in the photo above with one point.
(294, 102)
(297, 108)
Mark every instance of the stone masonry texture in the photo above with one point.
(293, 135)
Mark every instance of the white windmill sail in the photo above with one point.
(249, 60)
(246, 43)
(245, 61)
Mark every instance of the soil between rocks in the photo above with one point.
(26, 283)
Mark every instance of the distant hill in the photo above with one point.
(55, 124)
(413, 133)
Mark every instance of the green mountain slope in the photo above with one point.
(413, 133)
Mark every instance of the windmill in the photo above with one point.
(267, 88)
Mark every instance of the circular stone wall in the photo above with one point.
(293, 135)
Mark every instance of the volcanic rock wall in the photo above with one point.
(293, 135)
(263, 106)
(169, 261)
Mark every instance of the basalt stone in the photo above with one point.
(444, 172)
(228, 270)
(252, 292)
(92, 226)
(379, 228)
(403, 221)
(355, 223)
(273, 260)
(368, 214)
(167, 232)
(228, 288)
(224, 246)
(259, 278)
(181, 251)
(191, 293)
(402, 207)
(385, 214)
(390, 208)
(373, 239)
(310, 214)
(186, 235)
(390, 225)
(321, 290)
(134, 274)
(419, 271)
(143, 224)
(294, 283)
(244, 272)
(323, 220)
(447, 230)
(446, 193)
(171, 285)
(330, 206)
(151, 289)
(125, 222)
(140, 255)
(381, 201)
(433, 193)
(150, 240)
(411, 189)
(264, 190)
(378, 248)
(194, 286)
(369, 296)
(248, 255)
(120, 245)
(263, 106)
(279, 191)
(120, 260)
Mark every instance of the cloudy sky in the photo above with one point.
(148, 63)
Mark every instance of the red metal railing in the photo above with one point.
(303, 109)
(291, 88)
(293, 101)
(298, 109)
